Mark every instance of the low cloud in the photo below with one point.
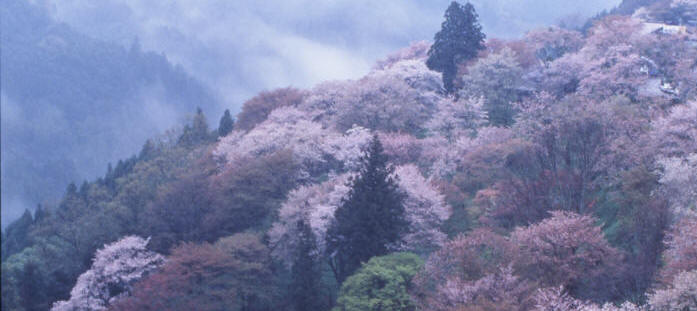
(242, 47)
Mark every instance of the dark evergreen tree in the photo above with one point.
(226, 124)
(460, 39)
(305, 276)
(16, 235)
(370, 219)
(84, 188)
(148, 151)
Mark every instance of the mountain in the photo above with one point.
(71, 104)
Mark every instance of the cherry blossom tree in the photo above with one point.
(425, 210)
(557, 299)
(680, 295)
(348, 147)
(315, 204)
(465, 268)
(497, 291)
(285, 128)
(676, 133)
(320, 104)
(561, 76)
(232, 274)
(116, 267)
(415, 73)
(392, 98)
(383, 102)
(497, 78)
(417, 50)
(681, 247)
(457, 118)
(679, 180)
(551, 43)
(467, 154)
(257, 109)
(402, 148)
(566, 249)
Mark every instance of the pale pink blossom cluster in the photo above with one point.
(315, 204)
(116, 267)
(676, 134)
(556, 299)
(680, 295)
(425, 209)
(679, 180)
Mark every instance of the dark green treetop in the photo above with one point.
(460, 39)
(370, 219)
(226, 124)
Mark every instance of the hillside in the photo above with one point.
(57, 82)
(559, 173)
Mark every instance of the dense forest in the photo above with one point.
(557, 171)
(56, 83)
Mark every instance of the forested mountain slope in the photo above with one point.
(56, 81)
(558, 173)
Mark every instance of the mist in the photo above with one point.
(234, 49)
(242, 47)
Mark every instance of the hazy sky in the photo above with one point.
(244, 46)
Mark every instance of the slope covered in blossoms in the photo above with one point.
(559, 175)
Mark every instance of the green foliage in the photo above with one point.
(39, 275)
(635, 220)
(178, 212)
(62, 239)
(382, 284)
(370, 219)
(249, 194)
(460, 39)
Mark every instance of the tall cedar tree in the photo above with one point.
(460, 39)
(226, 124)
(305, 287)
(370, 218)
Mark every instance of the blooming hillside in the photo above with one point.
(558, 173)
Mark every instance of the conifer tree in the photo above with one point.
(370, 219)
(226, 124)
(305, 287)
(17, 234)
(460, 39)
(148, 151)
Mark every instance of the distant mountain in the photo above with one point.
(71, 104)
